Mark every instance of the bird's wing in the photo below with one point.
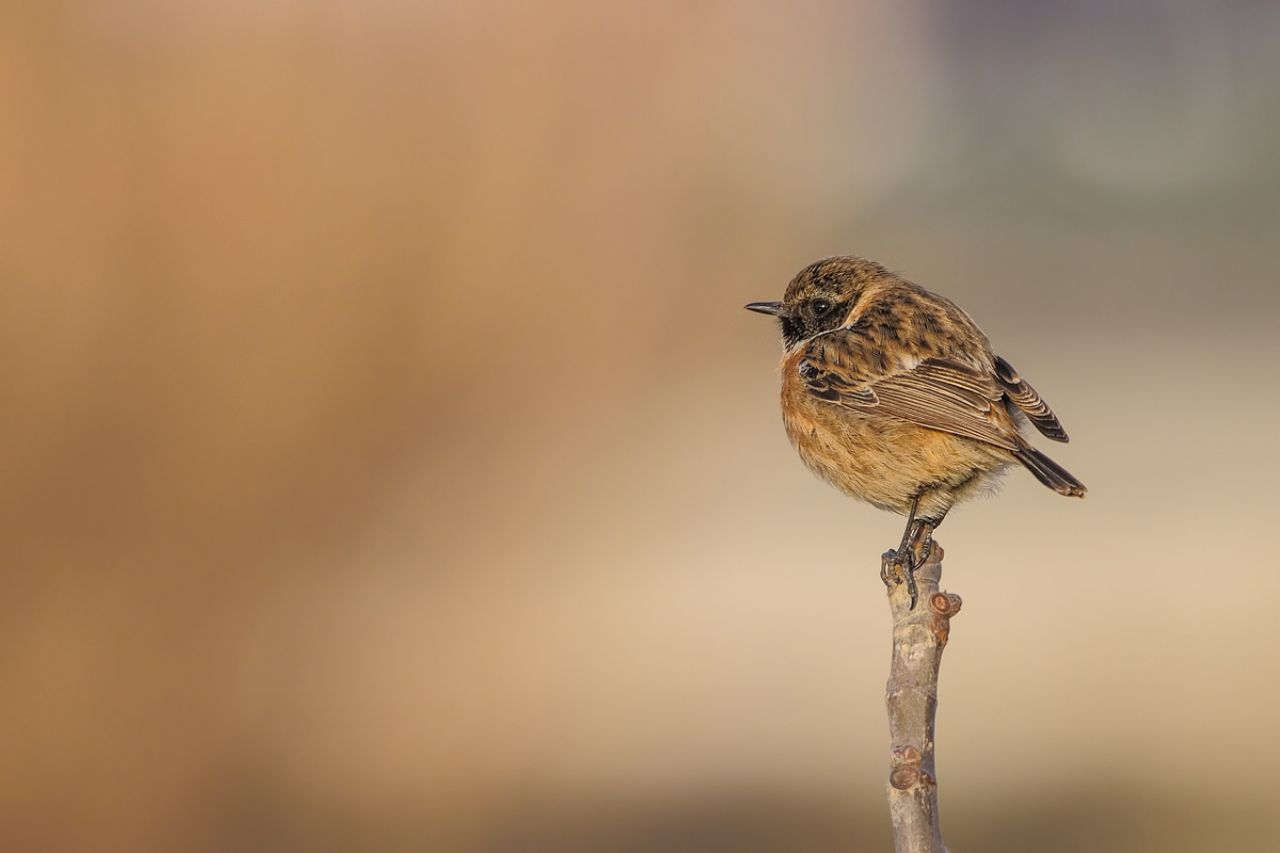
(1026, 398)
(847, 368)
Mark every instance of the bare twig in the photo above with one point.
(911, 695)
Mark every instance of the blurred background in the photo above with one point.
(388, 463)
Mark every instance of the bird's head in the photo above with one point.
(820, 297)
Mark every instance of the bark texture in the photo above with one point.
(911, 695)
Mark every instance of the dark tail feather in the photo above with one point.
(1050, 473)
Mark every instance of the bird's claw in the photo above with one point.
(895, 568)
(888, 564)
(926, 550)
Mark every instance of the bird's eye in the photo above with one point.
(820, 307)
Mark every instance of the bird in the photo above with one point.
(894, 395)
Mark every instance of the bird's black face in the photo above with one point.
(806, 315)
(820, 298)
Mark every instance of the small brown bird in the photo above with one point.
(893, 395)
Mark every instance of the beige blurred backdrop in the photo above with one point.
(388, 463)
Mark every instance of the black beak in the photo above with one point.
(774, 308)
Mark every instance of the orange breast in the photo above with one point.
(881, 460)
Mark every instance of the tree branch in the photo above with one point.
(911, 695)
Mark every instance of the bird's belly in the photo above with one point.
(883, 461)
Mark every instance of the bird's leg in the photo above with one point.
(901, 559)
(913, 552)
(908, 533)
(922, 544)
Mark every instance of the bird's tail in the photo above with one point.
(1049, 472)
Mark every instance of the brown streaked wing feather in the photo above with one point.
(942, 398)
(845, 368)
(1029, 401)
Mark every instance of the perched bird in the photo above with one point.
(893, 395)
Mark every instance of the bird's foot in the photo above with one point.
(889, 569)
(896, 568)
(923, 550)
